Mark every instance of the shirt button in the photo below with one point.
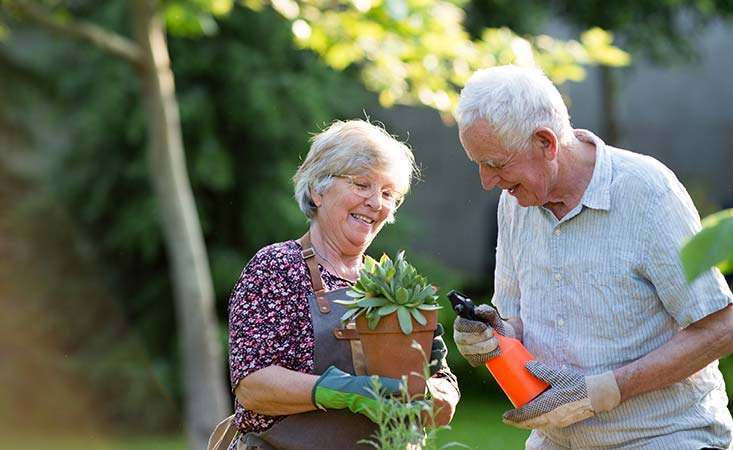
(560, 323)
(558, 277)
(557, 232)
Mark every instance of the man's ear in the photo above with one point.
(316, 197)
(547, 141)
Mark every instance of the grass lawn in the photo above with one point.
(477, 424)
(40, 441)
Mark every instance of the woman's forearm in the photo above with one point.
(276, 391)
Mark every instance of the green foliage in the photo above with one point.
(660, 29)
(248, 101)
(194, 18)
(418, 52)
(400, 419)
(397, 419)
(385, 287)
(712, 246)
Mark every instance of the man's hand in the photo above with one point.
(570, 398)
(475, 338)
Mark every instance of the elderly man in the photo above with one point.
(588, 277)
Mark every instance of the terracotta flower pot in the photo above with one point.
(389, 353)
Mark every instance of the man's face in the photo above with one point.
(526, 175)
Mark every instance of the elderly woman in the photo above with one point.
(294, 380)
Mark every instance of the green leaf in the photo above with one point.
(371, 302)
(419, 318)
(429, 307)
(426, 292)
(405, 321)
(353, 293)
(387, 309)
(373, 320)
(402, 295)
(384, 259)
(349, 314)
(346, 303)
(712, 245)
(369, 263)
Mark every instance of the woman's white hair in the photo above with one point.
(515, 101)
(348, 148)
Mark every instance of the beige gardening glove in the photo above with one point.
(570, 398)
(475, 338)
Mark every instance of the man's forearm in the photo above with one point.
(687, 352)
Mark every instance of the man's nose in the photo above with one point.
(489, 179)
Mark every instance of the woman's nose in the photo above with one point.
(375, 200)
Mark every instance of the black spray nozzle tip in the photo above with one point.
(462, 305)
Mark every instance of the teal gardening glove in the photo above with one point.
(336, 389)
(571, 397)
(438, 352)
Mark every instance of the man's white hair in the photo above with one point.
(349, 148)
(515, 101)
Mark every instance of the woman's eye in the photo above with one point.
(388, 195)
(363, 186)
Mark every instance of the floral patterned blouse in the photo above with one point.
(270, 323)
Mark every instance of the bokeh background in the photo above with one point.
(91, 347)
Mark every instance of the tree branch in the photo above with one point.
(106, 40)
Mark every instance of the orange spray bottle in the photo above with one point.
(508, 367)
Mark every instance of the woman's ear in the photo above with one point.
(316, 198)
(547, 140)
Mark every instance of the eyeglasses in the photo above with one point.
(365, 188)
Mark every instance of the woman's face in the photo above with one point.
(355, 207)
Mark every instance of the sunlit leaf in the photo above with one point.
(711, 246)
(403, 316)
(419, 317)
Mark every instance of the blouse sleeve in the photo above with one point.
(258, 337)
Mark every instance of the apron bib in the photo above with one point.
(334, 346)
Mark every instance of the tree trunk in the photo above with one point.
(609, 94)
(205, 397)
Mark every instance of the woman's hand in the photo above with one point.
(444, 398)
(336, 389)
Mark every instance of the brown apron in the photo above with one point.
(334, 345)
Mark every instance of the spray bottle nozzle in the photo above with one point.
(462, 305)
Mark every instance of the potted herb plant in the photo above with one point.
(393, 305)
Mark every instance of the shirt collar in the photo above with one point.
(598, 193)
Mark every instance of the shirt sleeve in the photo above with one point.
(672, 219)
(506, 285)
(257, 337)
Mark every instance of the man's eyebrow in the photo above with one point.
(491, 163)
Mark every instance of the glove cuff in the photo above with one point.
(603, 391)
(331, 370)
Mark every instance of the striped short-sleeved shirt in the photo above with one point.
(604, 286)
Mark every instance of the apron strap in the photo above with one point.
(309, 256)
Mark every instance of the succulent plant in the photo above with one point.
(386, 287)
